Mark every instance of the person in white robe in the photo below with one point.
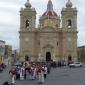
(22, 72)
(41, 76)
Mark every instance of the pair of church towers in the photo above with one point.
(55, 39)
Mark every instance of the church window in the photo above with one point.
(27, 23)
(69, 23)
(39, 43)
(57, 43)
(56, 25)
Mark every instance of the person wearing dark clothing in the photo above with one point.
(25, 75)
(48, 67)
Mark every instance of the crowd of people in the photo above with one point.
(32, 70)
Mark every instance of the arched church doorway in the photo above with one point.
(48, 56)
(69, 59)
(26, 58)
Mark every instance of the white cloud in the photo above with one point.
(9, 17)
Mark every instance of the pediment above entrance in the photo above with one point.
(48, 46)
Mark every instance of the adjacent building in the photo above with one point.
(8, 51)
(55, 38)
(2, 50)
(81, 53)
(14, 56)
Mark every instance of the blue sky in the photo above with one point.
(9, 18)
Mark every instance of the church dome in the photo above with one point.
(50, 11)
(27, 4)
(69, 4)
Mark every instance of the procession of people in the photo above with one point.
(30, 70)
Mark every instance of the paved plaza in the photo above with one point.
(58, 76)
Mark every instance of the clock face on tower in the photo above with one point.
(26, 39)
(69, 39)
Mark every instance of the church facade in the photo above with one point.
(54, 39)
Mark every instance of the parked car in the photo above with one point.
(77, 64)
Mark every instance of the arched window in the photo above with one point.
(69, 23)
(27, 23)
